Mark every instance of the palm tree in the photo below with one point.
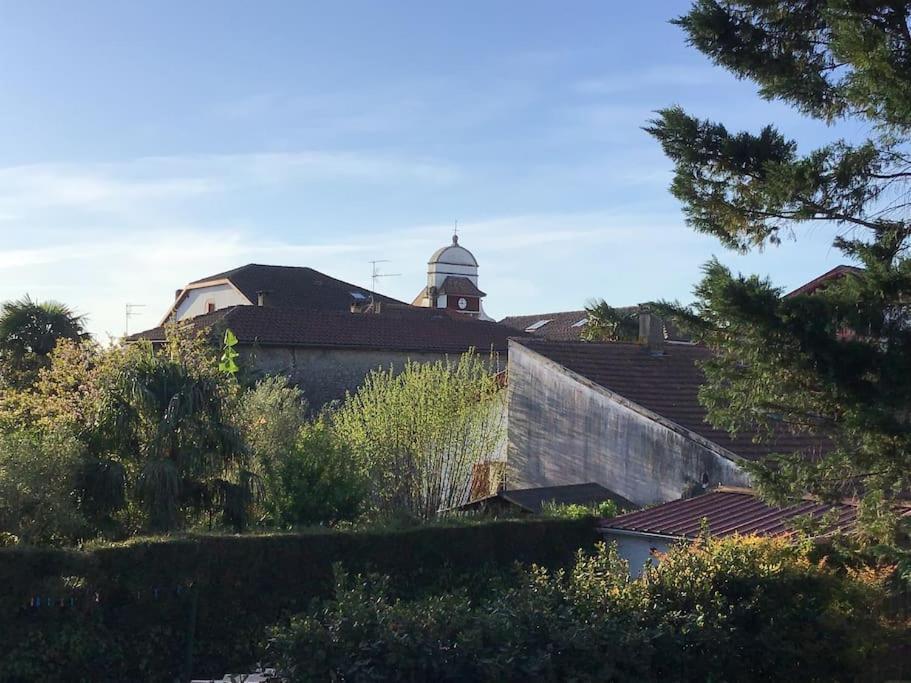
(606, 323)
(29, 331)
(170, 418)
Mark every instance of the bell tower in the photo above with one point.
(452, 282)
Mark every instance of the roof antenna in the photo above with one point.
(375, 274)
(129, 313)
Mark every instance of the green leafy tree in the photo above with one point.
(167, 413)
(417, 433)
(606, 323)
(39, 488)
(317, 481)
(29, 331)
(835, 363)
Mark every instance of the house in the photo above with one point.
(821, 282)
(570, 325)
(328, 353)
(724, 511)
(325, 334)
(624, 415)
(273, 286)
(533, 501)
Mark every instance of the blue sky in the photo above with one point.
(144, 145)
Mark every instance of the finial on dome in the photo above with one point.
(455, 234)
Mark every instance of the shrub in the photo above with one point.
(136, 610)
(418, 433)
(606, 508)
(269, 417)
(38, 482)
(317, 482)
(736, 609)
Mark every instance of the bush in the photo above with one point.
(38, 482)
(736, 609)
(418, 433)
(606, 508)
(317, 482)
(134, 611)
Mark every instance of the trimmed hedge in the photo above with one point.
(158, 609)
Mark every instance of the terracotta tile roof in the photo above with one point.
(294, 287)
(730, 511)
(395, 329)
(820, 282)
(666, 384)
(569, 325)
(561, 326)
(456, 285)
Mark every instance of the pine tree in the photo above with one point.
(835, 363)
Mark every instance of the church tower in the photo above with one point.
(452, 282)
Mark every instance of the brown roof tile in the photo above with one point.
(823, 280)
(396, 329)
(295, 287)
(456, 285)
(569, 325)
(729, 511)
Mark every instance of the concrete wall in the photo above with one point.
(196, 300)
(326, 374)
(565, 431)
(636, 550)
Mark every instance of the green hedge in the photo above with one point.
(156, 609)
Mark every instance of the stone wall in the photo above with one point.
(564, 430)
(326, 374)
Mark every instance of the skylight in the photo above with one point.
(580, 323)
(536, 326)
(358, 296)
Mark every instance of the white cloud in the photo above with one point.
(114, 187)
(657, 76)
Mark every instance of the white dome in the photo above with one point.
(453, 254)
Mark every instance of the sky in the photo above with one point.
(145, 145)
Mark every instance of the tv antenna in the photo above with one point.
(375, 274)
(129, 312)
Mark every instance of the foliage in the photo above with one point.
(735, 609)
(833, 363)
(38, 488)
(228, 361)
(417, 433)
(606, 508)
(124, 611)
(606, 323)
(318, 481)
(269, 417)
(159, 448)
(29, 330)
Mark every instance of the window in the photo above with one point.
(580, 323)
(210, 307)
(357, 296)
(536, 326)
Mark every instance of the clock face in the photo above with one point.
(463, 303)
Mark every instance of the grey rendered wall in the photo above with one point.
(563, 431)
(636, 550)
(326, 374)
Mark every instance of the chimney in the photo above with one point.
(262, 298)
(651, 330)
